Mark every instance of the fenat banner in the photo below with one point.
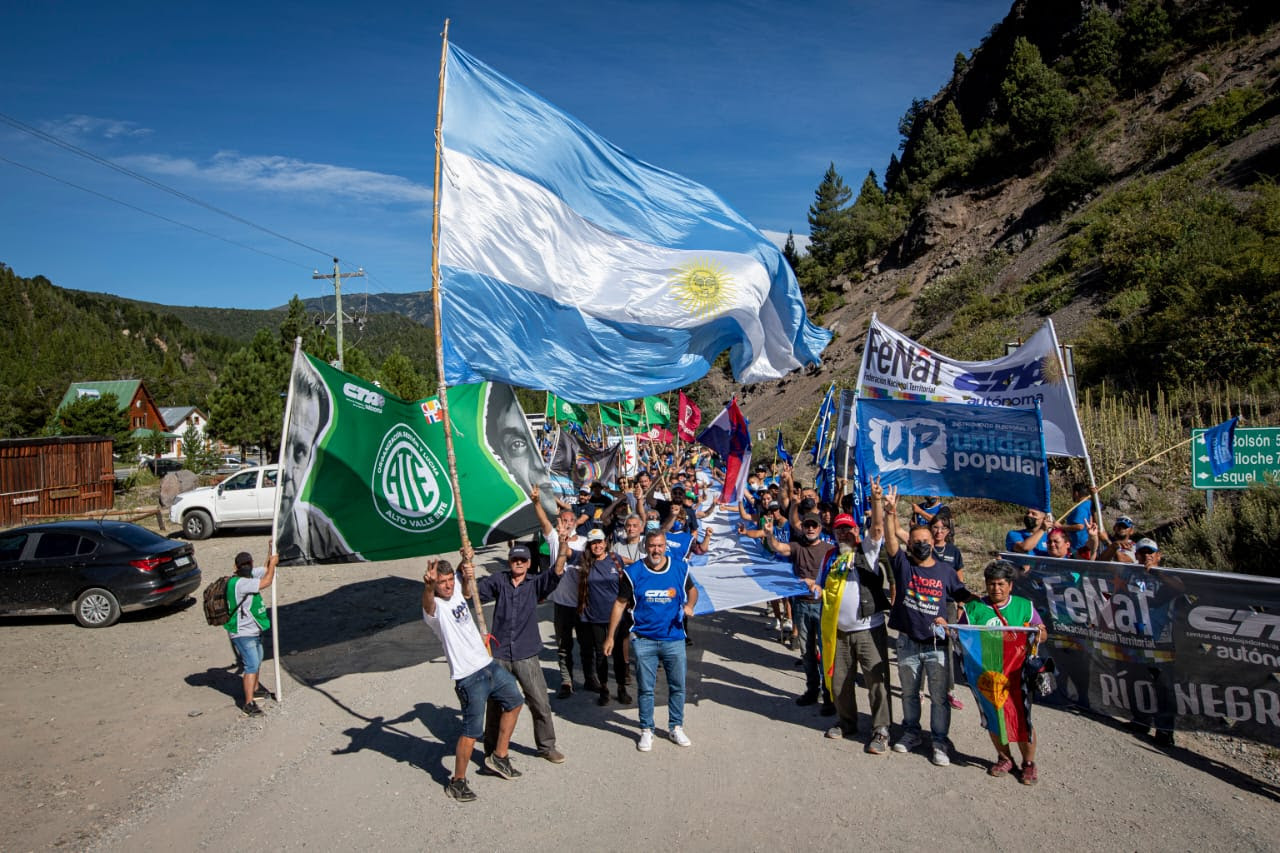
(954, 449)
(896, 367)
(365, 474)
(1169, 648)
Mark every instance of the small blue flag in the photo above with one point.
(783, 455)
(1220, 441)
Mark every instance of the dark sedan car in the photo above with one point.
(92, 569)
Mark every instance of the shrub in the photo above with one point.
(1075, 176)
(1221, 120)
(1241, 534)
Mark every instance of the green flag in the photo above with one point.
(612, 416)
(562, 410)
(656, 411)
(364, 474)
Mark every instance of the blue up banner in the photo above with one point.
(955, 448)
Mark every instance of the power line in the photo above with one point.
(161, 217)
(102, 161)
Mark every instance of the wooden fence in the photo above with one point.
(56, 476)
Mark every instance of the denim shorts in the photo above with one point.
(250, 649)
(474, 692)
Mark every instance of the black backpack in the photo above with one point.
(216, 610)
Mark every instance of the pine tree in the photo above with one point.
(789, 251)
(1038, 105)
(829, 218)
(247, 407)
(94, 416)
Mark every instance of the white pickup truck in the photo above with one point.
(245, 499)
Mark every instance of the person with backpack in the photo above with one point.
(249, 619)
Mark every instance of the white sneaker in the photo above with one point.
(940, 757)
(787, 627)
(645, 744)
(777, 625)
(678, 737)
(909, 741)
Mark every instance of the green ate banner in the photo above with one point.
(562, 410)
(365, 474)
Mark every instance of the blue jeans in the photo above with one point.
(477, 689)
(250, 649)
(932, 658)
(806, 615)
(648, 654)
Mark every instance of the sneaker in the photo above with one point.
(460, 790)
(678, 737)
(1164, 738)
(776, 625)
(787, 627)
(809, 697)
(879, 743)
(1029, 774)
(940, 757)
(909, 741)
(834, 733)
(502, 766)
(553, 755)
(604, 698)
(954, 702)
(565, 691)
(261, 692)
(646, 740)
(828, 709)
(251, 709)
(623, 696)
(1002, 767)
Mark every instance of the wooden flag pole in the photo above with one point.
(275, 518)
(443, 390)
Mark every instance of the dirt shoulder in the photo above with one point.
(128, 738)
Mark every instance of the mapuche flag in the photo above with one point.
(993, 659)
(363, 473)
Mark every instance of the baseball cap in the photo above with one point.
(244, 558)
(518, 552)
(584, 491)
(811, 518)
(1146, 545)
(774, 505)
(844, 520)
(1124, 521)
(596, 535)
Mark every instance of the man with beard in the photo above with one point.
(922, 588)
(807, 553)
(853, 625)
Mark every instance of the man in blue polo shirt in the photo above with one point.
(517, 642)
(661, 594)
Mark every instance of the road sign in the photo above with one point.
(1257, 454)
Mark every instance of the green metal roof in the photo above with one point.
(124, 389)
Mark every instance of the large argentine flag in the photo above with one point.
(570, 266)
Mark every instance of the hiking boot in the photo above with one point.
(940, 757)
(809, 697)
(251, 709)
(460, 790)
(623, 696)
(1029, 774)
(604, 698)
(1002, 767)
(502, 766)
(678, 737)
(1164, 738)
(553, 755)
(910, 740)
(646, 740)
(565, 691)
(879, 743)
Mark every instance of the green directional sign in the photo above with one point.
(1257, 454)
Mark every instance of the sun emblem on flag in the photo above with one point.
(702, 287)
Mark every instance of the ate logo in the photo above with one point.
(408, 483)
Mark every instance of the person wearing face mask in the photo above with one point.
(853, 625)
(1032, 538)
(807, 553)
(922, 589)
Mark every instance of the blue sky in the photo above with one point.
(315, 121)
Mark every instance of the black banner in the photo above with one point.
(578, 460)
(1169, 648)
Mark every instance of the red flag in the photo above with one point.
(689, 418)
(656, 433)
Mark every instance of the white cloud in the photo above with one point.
(84, 127)
(286, 174)
(779, 239)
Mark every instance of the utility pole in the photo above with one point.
(338, 317)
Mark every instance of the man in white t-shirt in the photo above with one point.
(477, 678)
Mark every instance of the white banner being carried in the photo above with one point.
(894, 367)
